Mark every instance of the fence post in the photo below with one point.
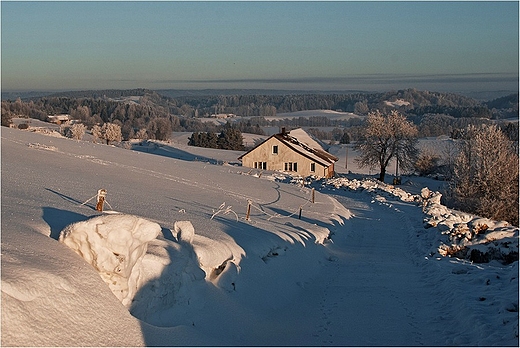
(248, 210)
(102, 193)
(313, 195)
(300, 215)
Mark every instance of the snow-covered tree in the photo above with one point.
(111, 132)
(141, 134)
(485, 177)
(387, 136)
(96, 133)
(77, 131)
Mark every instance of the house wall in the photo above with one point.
(264, 153)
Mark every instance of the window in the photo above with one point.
(260, 165)
(275, 149)
(291, 167)
(313, 167)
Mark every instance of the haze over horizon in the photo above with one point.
(441, 46)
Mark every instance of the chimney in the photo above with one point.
(283, 130)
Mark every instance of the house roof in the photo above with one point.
(299, 142)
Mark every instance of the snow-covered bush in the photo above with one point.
(77, 131)
(485, 178)
(115, 246)
(111, 132)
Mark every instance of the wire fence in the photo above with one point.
(226, 210)
(221, 210)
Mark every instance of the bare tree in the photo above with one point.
(427, 161)
(387, 136)
(485, 177)
(80, 113)
(449, 151)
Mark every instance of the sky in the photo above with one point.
(268, 45)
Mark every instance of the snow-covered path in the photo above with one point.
(372, 292)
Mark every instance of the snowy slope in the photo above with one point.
(356, 269)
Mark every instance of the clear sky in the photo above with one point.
(272, 45)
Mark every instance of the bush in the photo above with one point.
(485, 176)
(427, 162)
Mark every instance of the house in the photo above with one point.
(59, 119)
(293, 152)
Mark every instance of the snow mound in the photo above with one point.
(467, 236)
(372, 186)
(115, 246)
(184, 230)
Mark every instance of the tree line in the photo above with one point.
(415, 103)
(155, 116)
(230, 138)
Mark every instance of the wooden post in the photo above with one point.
(248, 210)
(346, 159)
(313, 195)
(102, 193)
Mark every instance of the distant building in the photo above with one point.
(59, 119)
(293, 152)
(223, 115)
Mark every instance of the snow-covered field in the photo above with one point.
(333, 115)
(176, 260)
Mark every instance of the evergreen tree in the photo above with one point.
(230, 139)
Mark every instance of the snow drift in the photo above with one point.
(115, 246)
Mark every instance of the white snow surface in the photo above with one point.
(333, 115)
(362, 265)
(115, 246)
(397, 103)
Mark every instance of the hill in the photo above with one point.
(358, 266)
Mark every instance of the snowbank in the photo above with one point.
(467, 236)
(462, 235)
(115, 246)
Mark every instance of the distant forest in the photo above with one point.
(161, 113)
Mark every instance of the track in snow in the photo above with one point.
(373, 292)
